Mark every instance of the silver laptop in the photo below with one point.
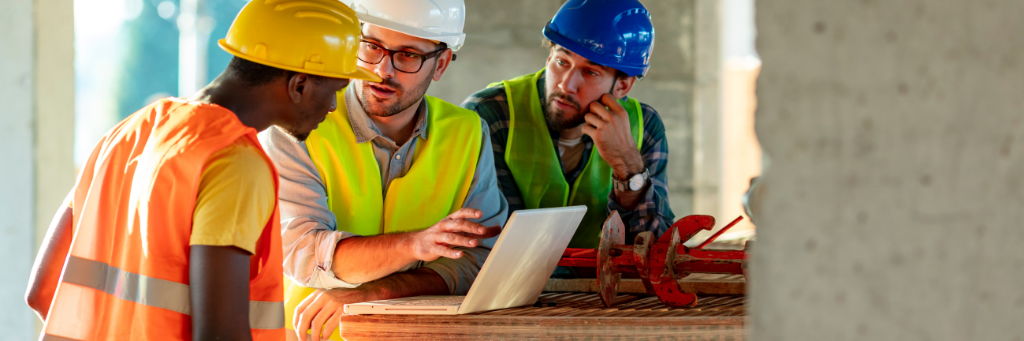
(514, 274)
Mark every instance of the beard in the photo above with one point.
(405, 100)
(559, 119)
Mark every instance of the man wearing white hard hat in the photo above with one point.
(395, 193)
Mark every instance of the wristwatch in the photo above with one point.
(633, 183)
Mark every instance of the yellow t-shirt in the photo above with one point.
(235, 200)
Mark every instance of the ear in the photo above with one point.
(622, 86)
(443, 61)
(298, 85)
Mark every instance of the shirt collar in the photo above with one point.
(364, 128)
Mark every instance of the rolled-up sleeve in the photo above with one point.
(308, 227)
(485, 196)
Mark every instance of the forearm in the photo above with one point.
(420, 281)
(364, 259)
(49, 263)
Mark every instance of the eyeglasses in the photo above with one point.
(404, 61)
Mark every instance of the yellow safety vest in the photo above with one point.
(435, 186)
(536, 167)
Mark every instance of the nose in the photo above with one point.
(334, 104)
(385, 69)
(570, 82)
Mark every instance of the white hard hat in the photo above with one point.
(438, 20)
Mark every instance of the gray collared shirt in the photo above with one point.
(309, 232)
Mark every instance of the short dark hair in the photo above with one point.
(548, 44)
(255, 74)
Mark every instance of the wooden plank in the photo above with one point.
(565, 316)
(477, 327)
(709, 284)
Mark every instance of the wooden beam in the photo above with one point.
(707, 284)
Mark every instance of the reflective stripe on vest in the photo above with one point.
(435, 186)
(155, 292)
(531, 157)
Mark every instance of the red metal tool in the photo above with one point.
(659, 263)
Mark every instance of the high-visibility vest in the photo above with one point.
(435, 186)
(127, 273)
(531, 157)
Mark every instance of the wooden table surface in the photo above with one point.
(566, 316)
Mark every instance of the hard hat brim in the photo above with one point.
(360, 73)
(454, 41)
(563, 41)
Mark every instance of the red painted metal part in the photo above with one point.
(719, 233)
(660, 264)
(662, 275)
(612, 233)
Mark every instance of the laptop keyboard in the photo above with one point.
(454, 300)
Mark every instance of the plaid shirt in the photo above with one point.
(652, 213)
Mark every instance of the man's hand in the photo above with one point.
(438, 240)
(608, 124)
(321, 310)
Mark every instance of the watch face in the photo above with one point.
(636, 182)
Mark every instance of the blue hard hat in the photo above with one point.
(613, 33)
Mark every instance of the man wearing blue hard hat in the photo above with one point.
(568, 134)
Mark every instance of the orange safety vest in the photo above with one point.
(127, 274)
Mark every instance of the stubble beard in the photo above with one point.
(403, 103)
(559, 119)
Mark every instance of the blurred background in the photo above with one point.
(891, 209)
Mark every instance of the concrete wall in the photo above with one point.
(18, 167)
(504, 40)
(36, 141)
(892, 208)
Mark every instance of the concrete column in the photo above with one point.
(18, 167)
(892, 206)
(707, 126)
(36, 132)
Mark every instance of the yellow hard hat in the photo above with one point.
(318, 37)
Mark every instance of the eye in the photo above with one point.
(372, 47)
(592, 73)
(560, 62)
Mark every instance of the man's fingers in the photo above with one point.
(465, 213)
(490, 232)
(594, 120)
(317, 325)
(331, 325)
(456, 239)
(590, 130)
(304, 317)
(598, 108)
(612, 104)
(444, 251)
(454, 226)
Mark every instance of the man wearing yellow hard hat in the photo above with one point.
(395, 193)
(172, 229)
